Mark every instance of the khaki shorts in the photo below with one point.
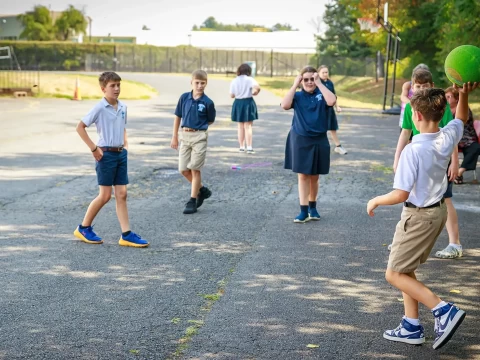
(193, 150)
(415, 235)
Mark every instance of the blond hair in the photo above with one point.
(199, 75)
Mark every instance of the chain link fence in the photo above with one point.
(182, 59)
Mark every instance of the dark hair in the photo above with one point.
(422, 76)
(308, 69)
(431, 103)
(454, 92)
(244, 69)
(107, 77)
(200, 75)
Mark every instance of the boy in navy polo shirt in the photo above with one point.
(194, 113)
(420, 183)
(110, 153)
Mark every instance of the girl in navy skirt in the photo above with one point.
(244, 109)
(307, 152)
(332, 117)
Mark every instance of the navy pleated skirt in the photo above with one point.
(332, 119)
(244, 110)
(308, 155)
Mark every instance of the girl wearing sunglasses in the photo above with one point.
(307, 151)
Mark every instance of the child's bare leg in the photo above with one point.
(121, 206)
(104, 195)
(188, 175)
(452, 223)
(196, 183)
(241, 135)
(335, 137)
(410, 304)
(303, 188)
(314, 179)
(413, 288)
(248, 127)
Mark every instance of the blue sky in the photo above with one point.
(171, 21)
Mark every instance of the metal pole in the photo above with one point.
(395, 59)
(271, 63)
(385, 87)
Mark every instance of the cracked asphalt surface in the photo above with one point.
(284, 285)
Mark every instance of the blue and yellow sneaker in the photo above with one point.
(406, 333)
(87, 235)
(313, 214)
(447, 320)
(133, 240)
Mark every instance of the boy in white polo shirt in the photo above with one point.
(420, 182)
(110, 153)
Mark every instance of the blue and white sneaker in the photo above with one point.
(302, 218)
(313, 214)
(406, 333)
(447, 320)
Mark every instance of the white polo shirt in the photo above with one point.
(242, 86)
(110, 123)
(422, 169)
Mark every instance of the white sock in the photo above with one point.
(456, 246)
(415, 322)
(441, 304)
(249, 148)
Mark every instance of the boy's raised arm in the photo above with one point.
(462, 107)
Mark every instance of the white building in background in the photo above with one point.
(280, 41)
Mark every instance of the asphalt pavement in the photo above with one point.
(238, 279)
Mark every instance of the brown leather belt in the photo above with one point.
(191, 130)
(114, 149)
(410, 205)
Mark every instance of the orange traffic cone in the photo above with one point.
(76, 93)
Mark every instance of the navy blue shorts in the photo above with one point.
(449, 192)
(112, 168)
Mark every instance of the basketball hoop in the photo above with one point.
(368, 24)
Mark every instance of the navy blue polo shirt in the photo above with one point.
(329, 85)
(309, 113)
(195, 114)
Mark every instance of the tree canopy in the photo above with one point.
(429, 29)
(211, 24)
(39, 25)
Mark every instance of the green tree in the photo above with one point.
(457, 22)
(72, 21)
(37, 24)
(338, 39)
(283, 27)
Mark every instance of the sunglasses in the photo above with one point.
(308, 79)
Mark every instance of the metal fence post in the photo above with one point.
(271, 63)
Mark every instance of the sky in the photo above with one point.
(171, 21)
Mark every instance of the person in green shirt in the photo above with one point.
(422, 79)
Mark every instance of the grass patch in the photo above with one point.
(381, 168)
(63, 86)
(195, 325)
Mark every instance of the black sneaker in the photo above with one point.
(203, 194)
(191, 207)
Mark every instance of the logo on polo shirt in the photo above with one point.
(201, 107)
(319, 97)
(123, 115)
